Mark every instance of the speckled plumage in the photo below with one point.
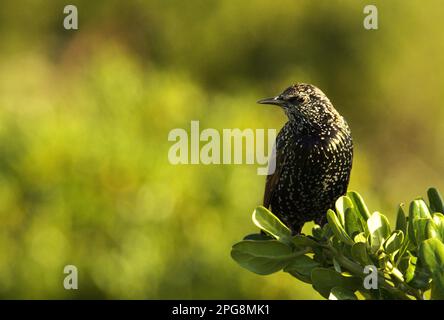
(313, 159)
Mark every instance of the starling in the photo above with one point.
(312, 159)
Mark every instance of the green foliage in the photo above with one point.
(85, 116)
(262, 256)
(268, 222)
(409, 260)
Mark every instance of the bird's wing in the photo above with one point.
(277, 161)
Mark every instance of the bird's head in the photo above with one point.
(304, 102)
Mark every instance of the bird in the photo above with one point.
(312, 158)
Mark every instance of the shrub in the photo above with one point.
(357, 254)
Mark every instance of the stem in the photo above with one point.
(356, 269)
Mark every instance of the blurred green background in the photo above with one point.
(85, 116)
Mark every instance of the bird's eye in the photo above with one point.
(296, 99)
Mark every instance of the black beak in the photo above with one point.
(275, 100)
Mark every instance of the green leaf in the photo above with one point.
(394, 242)
(338, 293)
(418, 209)
(342, 204)
(407, 267)
(431, 252)
(438, 218)
(304, 241)
(324, 280)
(301, 268)
(421, 277)
(353, 224)
(258, 236)
(431, 255)
(359, 253)
(435, 229)
(431, 231)
(401, 223)
(421, 232)
(262, 257)
(336, 265)
(435, 200)
(267, 221)
(379, 229)
(438, 286)
(337, 228)
(360, 237)
(414, 273)
(403, 251)
(359, 204)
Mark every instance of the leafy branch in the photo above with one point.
(356, 255)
